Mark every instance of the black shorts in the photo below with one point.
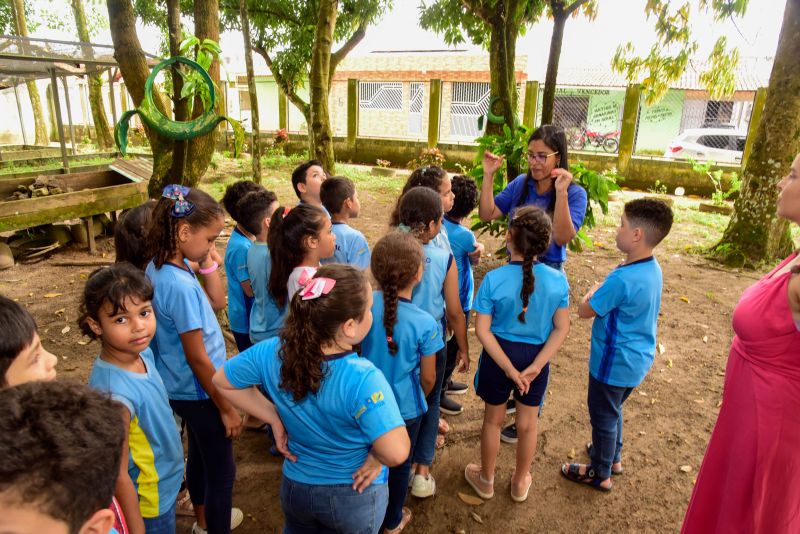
(494, 387)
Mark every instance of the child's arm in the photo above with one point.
(201, 366)
(124, 490)
(455, 316)
(551, 346)
(212, 282)
(247, 288)
(585, 310)
(475, 255)
(487, 210)
(427, 373)
(483, 323)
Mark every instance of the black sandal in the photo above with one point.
(572, 472)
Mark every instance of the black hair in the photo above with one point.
(113, 284)
(163, 236)
(334, 191)
(288, 230)
(253, 208)
(555, 138)
(418, 208)
(61, 445)
(529, 232)
(130, 235)
(653, 216)
(429, 176)
(234, 193)
(395, 262)
(299, 174)
(466, 196)
(18, 331)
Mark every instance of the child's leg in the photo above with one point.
(429, 427)
(618, 450)
(605, 414)
(195, 474)
(450, 363)
(527, 424)
(493, 417)
(398, 480)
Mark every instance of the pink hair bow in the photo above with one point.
(315, 287)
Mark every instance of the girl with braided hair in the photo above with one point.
(402, 343)
(522, 320)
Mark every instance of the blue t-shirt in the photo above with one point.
(239, 304)
(417, 335)
(429, 293)
(624, 331)
(442, 240)
(181, 306)
(331, 431)
(155, 452)
(499, 296)
(266, 318)
(351, 247)
(462, 242)
(506, 201)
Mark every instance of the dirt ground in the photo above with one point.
(668, 420)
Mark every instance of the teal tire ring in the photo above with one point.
(490, 116)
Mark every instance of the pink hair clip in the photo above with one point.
(317, 286)
(286, 211)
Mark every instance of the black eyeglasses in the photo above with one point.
(540, 157)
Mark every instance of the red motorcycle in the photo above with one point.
(607, 141)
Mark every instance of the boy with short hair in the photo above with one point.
(240, 292)
(625, 307)
(307, 178)
(61, 445)
(340, 198)
(22, 356)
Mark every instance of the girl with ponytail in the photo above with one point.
(522, 320)
(402, 343)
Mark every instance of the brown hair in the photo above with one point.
(653, 216)
(429, 176)
(18, 331)
(130, 235)
(315, 322)
(334, 191)
(529, 232)
(396, 259)
(111, 284)
(417, 208)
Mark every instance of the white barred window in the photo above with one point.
(380, 95)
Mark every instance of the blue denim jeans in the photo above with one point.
(337, 508)
(429, 426)
(605, 413)
(163, 524)
(398, 479)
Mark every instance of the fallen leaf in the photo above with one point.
(669, 363)
(652, 401)
(642, 393)
(660, 348)
(685, 299)
(642, 432)
(699, 401)
(571, 454)
(477, 518)
(719, 403)
(470, 499)
(83, 342)
(50, 295)
(705, 339)
(686, 468)
(59, 312)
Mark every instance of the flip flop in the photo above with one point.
(403, 522)
(572, 473)
(618, 471)
(524, 496)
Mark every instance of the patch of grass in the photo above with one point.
(364, 179)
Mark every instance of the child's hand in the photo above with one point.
(520, 381)
(562, 179)
(463, 361)
(491, 163)
(475, 255)
(589, 294)
(233, 422)
(282, 440)
(531, 372)
(366, 473)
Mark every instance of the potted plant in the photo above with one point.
(719, 198)
(382, 168)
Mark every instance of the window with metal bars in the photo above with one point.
(380, 95)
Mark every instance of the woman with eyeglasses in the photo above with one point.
(547, 185)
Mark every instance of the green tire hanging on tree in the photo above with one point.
(493, 115)
(176, 130)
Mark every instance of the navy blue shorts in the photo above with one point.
(494, 387)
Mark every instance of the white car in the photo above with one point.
(721, 145)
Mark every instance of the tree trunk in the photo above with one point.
(251, 87)
(21, 27)
(548, 97)
(179, 105)
(319, 85)
(754, 233)
(101, 128)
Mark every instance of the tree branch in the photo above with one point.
(347, 47)
(290, 93)
(574, 6)
(477, 7)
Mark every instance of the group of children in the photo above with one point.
(349, 380)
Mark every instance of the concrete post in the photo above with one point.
(627, 138)
(352, 111)
(531, 103)
(434, 112)
(283, 111)
(755, 118)
(19, 113)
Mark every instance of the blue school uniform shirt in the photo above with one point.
(624, 331)
(429, 293)
(239, 304)
(155, 452)
(499, 296)
(351, 247)
(462, 242)
(506, 201)
(417, 335)
(331, 431)
(442, 240)
(266, 318)
(181, 306)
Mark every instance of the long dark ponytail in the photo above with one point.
(530, 236)
(555, 138)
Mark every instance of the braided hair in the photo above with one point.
(396, 260)
(555, 138)
(429, 176)
(529, 233)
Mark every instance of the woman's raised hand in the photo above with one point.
(491, 163)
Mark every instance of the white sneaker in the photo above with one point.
(423, 487)
(237, 516)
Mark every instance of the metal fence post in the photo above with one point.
(531, 103)
(630, 112)
(434, 112)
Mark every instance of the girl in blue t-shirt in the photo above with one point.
(402, 343)
(420, 213)
(522, 320)
(438, 180)
(339, 412)
(117, 309)
(298, 239)
(189, 345)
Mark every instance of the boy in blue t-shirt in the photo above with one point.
(340, 198)
(625, 307)
(240, 292)
(307, 179)
(466, 251)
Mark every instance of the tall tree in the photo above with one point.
(104, 138)
(21, 29)
(560, 10)
(754, 233)
(255, 149)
